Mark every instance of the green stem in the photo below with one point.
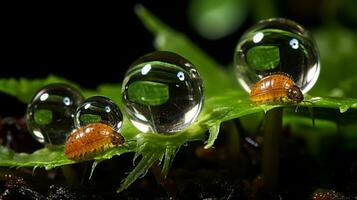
(70, 175)
(271, 137)
(233, 142)
(148, 159)
(170, 153)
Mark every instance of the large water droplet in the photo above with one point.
(162, 93)
(277, 45)
(98, 109)
(51, 112)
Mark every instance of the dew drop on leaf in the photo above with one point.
(50, 113)
(277, 45)
(162, 93)
(99, 109)
(98, 121)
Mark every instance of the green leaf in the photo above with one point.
(148, 93)
(148, 159)
(49, 157)
(223, 101)
(213, 134)
(264, 57)
(170, 153)
(24, 89)
(46, 157)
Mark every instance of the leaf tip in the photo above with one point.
(121, 188)
(139, 9)
(213, 134)
(344, 108)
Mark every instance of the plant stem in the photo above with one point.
(233, 142)
(70, 175)
(271, 138)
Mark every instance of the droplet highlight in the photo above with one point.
(50, 114)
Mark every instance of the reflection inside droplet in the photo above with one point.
(66, 101)
(258, 37)
(98, 109)
(166, 100)
(294, 43)
(181, 76)
(50, 113)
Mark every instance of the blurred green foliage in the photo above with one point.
(216, 19)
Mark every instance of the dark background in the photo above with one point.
(93, 43)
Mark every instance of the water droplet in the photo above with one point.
(344, 108)
(98, 109)
(315, 99)
(277, 45)
(50, 113)
(165, 99)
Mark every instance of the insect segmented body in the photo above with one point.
(84, 142)
(276, 88)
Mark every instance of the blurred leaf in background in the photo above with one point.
(216, 19)
(347, 10)
(338, 47)
(263, 9)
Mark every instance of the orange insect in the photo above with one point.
(276, 88)
(84, 142)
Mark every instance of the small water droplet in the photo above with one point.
(344, 108)
(315, 99)
(168, 98)
(50, 113)
(98, 109)
(277, 45)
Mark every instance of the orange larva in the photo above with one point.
(92, 138)
(276, 88)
